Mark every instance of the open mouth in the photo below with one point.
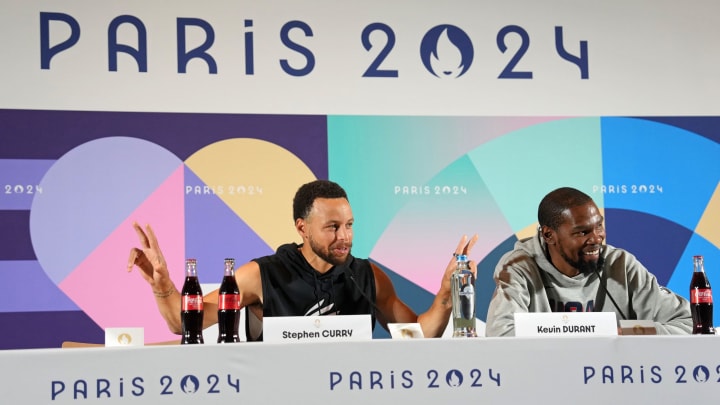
(342, 250)
(592, 254)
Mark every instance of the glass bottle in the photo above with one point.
(191, 307)
(228, 305)
(701, 302)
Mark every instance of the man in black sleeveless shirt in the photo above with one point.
(317, 277)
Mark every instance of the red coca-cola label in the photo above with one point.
(192, 303)
(228, 301)
(701, 296)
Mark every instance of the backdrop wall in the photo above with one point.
(440, 119)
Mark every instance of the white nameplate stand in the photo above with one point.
(566, 324)
(297, 329)
(124, 337)
(405, 330)
(637, 327)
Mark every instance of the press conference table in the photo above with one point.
(553, 370)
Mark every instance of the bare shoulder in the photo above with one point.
(249, 267)
(376, 268)
(249, 282)
(380, 275)
(383, 285)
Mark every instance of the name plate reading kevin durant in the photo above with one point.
(570, 324)
(293, 329)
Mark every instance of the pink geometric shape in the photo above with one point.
(101, 285)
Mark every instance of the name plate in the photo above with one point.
(637, 327)
(293, 329)
(569, 324)
(124, 337)
(405, 331)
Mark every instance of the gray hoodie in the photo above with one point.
(526, 281)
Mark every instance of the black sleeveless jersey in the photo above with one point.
(291, 287)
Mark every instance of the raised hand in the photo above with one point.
(463, 248)
(150, 260)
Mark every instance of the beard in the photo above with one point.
(583, 266)
(325, 253)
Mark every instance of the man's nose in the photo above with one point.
(597, 236)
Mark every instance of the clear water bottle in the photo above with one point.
(463, 299)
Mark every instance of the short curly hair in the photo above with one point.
(555, 203)
(309, 192)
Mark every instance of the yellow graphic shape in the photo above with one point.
(257, 180)
(709, 226)
(527, 232)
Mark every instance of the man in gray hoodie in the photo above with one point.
(561, 269)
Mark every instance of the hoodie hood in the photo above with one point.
(536, 248)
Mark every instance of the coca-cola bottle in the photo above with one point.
(701, 303)
(228, 305)
(191, 308)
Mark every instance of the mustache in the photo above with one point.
(592, 267)
(347, 245)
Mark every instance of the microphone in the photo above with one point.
(351, 276)
(604, 287)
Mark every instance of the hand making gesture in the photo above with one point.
(151, 262)
(463, 248)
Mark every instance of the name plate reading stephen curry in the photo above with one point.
(569, 324)
(292, 329)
